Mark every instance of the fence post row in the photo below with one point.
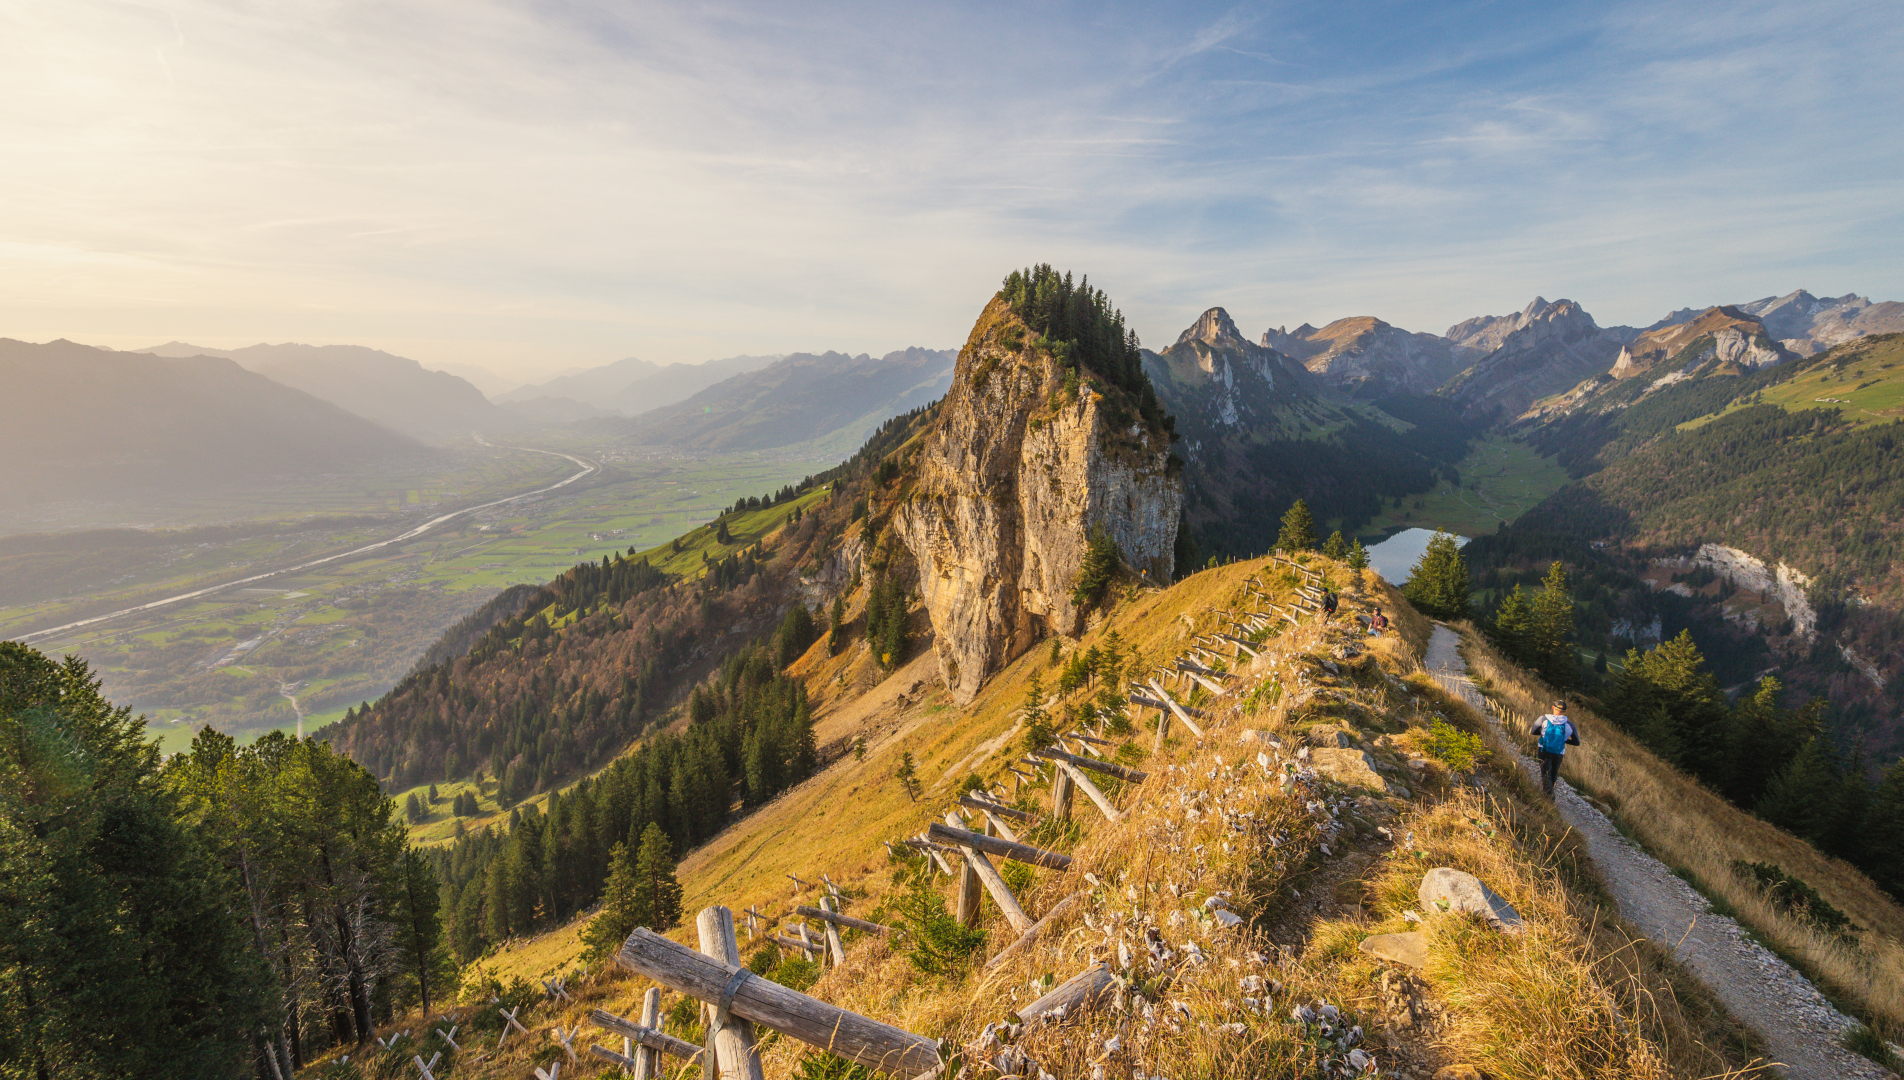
(730, 1038)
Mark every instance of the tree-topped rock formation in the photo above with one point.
(1049, 434)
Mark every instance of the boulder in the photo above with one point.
(1328, 735)
(1248, 736)
(1447, 889)
(1353, 767)
(1460, 1072)
(1410, 948)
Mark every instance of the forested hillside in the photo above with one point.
(1810, 479)
(593, 659)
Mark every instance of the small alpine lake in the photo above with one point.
(1395, 557)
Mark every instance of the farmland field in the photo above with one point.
(247, 660)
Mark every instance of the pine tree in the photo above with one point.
(1514, 627)
(433, 795)
(419, 927)
(659, 890)
(835, 635)
(1038, 730)
(1670, 702)
(908, 776)
(1804, 799)
(1358, 562)
(1439, 584)
(1299, 529)
(412, 809)
(622, 908)
(1552, 638)
(1335, 547)
(1884, 830)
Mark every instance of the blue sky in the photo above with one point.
(537, 186)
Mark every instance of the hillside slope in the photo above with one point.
(832, 399)
(83, 423)
(393, 391)
(1329, 781)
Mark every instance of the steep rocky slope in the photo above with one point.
(1028, 456)
(1544, 349)
(1806, 324)
(1368, 357)
(1725, 334)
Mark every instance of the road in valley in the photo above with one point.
(586, 468)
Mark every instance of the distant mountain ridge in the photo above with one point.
(84, 423)
(802, 398)
(391, 390)
(1369, 357)
(627, 387)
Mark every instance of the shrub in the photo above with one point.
(1458, 748)
(1794, 897)
(940, 945)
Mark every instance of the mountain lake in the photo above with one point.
(1395, 557)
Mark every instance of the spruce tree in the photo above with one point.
(908, 776)
(1804, 799)
(1514, 627)
(1038, 730)
(1358, 561)
(1553, 628)
(1669, 701)
(835, 636)
(1439, 584)
(1299, 529)
(1335, 547)
(655, 883)
(1884, 831)
(418, 926)
(621, 907)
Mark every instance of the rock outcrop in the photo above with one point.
(1726, 334)
(1016, 472)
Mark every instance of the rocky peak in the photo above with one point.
(1363, 354)
(1737, 339)
(1011, 480)
(1214, 328)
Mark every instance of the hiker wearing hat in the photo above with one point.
(1554, 732)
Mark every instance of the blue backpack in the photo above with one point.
(1553, 737)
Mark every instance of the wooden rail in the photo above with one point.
(846, 1034)
(994, 845)
(838, 919)
(651, 1037)
(1108, 768)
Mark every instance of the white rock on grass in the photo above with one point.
(1447, 889)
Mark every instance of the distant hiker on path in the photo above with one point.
(1328, 605)
(1377, 622)
(1555, 733)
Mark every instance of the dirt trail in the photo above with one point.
(1801, 1029)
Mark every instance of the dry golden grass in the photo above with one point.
(1700, 834)
(1572, 998)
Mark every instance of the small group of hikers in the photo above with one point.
(1554, 733)
(1377, 622)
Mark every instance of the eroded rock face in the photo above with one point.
(1013, 477)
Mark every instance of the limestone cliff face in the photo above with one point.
(1012, 478)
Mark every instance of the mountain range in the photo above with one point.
(627, 387)
(394, 391)
(81, 423)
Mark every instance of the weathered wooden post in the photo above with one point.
(1060, 794)
(833, 945)
(647, 1058)
(968, 887)
(730, 1039)
(1177, 710)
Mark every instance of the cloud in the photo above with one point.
(530, 185)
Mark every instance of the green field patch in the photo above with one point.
(1501, 479)
(1867, 387)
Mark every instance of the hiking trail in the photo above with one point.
(1801, 1029)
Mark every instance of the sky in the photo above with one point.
(531, 187)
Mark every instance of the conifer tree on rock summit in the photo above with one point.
(1299, 529)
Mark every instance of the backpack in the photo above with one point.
(1553, 735)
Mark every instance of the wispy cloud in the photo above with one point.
(524, 184)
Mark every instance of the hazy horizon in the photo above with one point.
(531, 189)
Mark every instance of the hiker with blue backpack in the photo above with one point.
(1555, 733)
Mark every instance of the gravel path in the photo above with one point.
(1801, 1029)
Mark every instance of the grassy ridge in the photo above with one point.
(1577, 996)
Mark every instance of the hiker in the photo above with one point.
(1377, 623)
(1555, 733)
(1328, 605)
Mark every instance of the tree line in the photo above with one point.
(227, 909)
